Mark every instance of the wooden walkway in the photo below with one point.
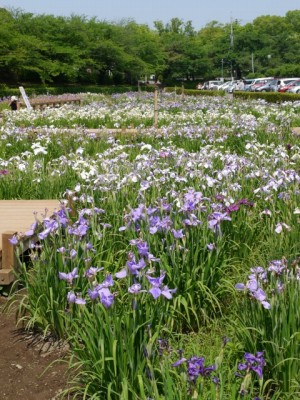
(16, 217)
(41, 103)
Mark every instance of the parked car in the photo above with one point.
(285, 81)
(288, 86)
(275, 84)
(232, 87)
(212, 85)
(259, 82)
(247, 84)
(224, 85)
(294, 87)
(270, 86)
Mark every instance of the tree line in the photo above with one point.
(80, 50)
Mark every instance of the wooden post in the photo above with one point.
(155, 106)
(182, 91)
(8, 261)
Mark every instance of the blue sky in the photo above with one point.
(200, 12)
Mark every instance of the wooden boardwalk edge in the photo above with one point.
(16, 218)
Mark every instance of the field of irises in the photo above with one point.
(172, 267)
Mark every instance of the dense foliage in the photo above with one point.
(75, 49)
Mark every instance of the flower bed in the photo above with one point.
(160, 229)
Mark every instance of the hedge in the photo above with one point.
(270, 97)
(35, 90)
(194, 92)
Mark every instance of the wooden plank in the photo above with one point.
(16, 217)
(8, 251)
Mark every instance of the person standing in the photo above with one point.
(13, 103)
(241, 85)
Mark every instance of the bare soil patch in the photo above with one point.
(27, 371)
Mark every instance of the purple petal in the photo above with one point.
(121, 274)
(240, 286)
(179, 362)
(266, 305)
(63, 276)
(155, 291)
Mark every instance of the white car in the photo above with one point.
(295, 87)
(285, 81)
(224, 85)
(212, 85)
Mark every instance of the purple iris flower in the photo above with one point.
(215, 219)
(178, 234)
(196, 367)
(166, 223)
(92, 272)
(90, 247)
(72, 298)
(156, 282)
(143, 248)
(154, 222)
(138, 213)
(135, 289)
(62, 217)
(108, 281)
(151, 210)
(253, 363)
(252, 285)
(73, 253)
(13, 240)
(211, 246)
(233, 207)
(31, 231)
(106, 297)
(50, 226)
(70, 276)
(259, 294)
(277, 266)
(153, 229)
(246, 202)
(166, 292)
(188, 206)
(192, 221)
(105, 225)
(79, 230)
(134, 266)
(93, 294)
(156, 289)
(42, 235)
(151, 258)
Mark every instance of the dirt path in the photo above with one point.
(22, 363)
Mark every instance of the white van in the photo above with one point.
(212, 85)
